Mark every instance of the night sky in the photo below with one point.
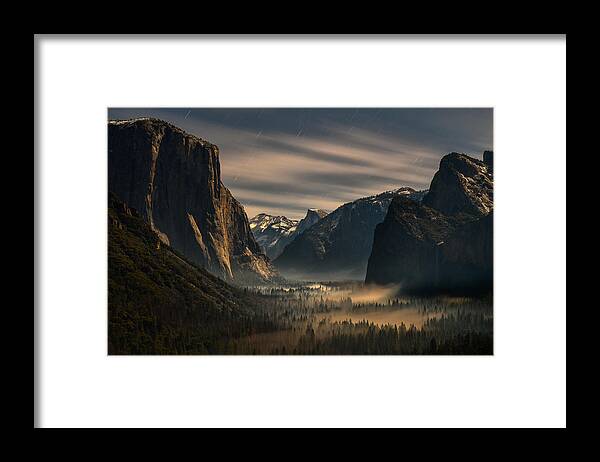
(284, 161)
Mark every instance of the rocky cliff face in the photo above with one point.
(461, 185)
(312, 217)
(466, 258)
(443, 244)
(274, 233)
(173, 179)
(339, 245)
(405, 244)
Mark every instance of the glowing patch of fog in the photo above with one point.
(377, 305)
(384, 316)
(358, 302)
(363, 299)
(380, 316)
(360, 294)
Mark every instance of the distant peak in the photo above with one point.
(319, 212)
(268, 218)
(454, 157)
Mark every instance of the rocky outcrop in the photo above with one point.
(426, 251)
(339, 245)
(445, 243)
(312, 217)
(461, 185)
(405, 244)
(173, 179)
(274, 233)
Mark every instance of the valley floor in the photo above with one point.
(354, 319)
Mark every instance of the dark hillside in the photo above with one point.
(160, 303)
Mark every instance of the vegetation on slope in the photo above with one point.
(160, 303)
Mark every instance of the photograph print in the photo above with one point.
(300, 231)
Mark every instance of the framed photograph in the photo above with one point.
(300, 222)
(303, 231)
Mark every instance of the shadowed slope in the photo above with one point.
(161, 303)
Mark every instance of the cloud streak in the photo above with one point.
(283, 161)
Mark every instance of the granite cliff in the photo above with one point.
(444, 243)
(174, 180)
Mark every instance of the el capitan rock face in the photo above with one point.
(173, 179)
(339, 245)
(443, 244)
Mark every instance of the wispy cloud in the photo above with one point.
(285, 161)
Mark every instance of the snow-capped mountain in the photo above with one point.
(274, 233)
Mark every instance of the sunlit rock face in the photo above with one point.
(444, 243)
(173, 179)
(338, 246)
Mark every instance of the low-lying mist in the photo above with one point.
(361, 293)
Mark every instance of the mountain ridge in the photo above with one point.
(339, 245)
